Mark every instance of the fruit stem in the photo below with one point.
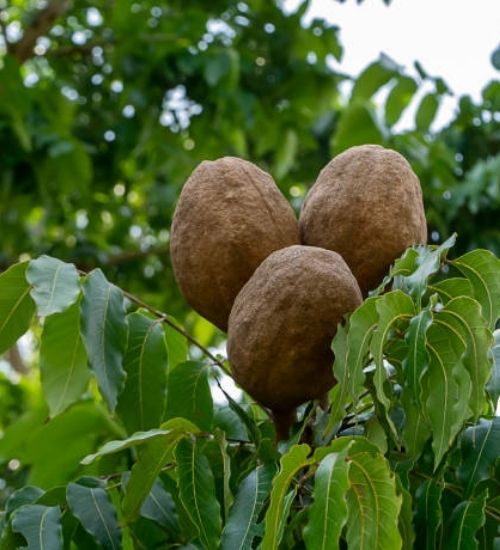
(283, 421)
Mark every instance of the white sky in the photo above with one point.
(453, 39)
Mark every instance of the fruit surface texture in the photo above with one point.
(229, 218)
(282, 324)
(366, 205)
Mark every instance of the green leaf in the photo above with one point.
(140, 438)
(152, 456)
(482, 269)
(466, 519)
(40, 526)
(399, 98)
(405, 524)
(55, 284)
(372, 503)
(16, 306)
(428, 514)
(63, 360)
(452, 288)
(285, 155)
(291, 462)
(357, 126)
(328, 512)
(493, 386)
(350, 346)
(188, 394)
(197, 492)
(25, 495)
(159, 506)
(94, 510)
(412, 274)
(426, 112)
(142, 401)
(480, 448)
(104, 332)
(177, 345)
(242, 525)
(374, 77)
(463, 315)
(394, 309)
(446, 384)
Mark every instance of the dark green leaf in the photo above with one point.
(93, 508)
(104, 332)
(328, 513)
(405, 525)
(197, 492)
(159, 506)
(40, 526)
(428, 514)
(188, 394)
(142, 402)
(480, 448)
(357, 126)
(291, 462)
(25, 495)
(16, 306)
(63, 360)
(55, 284)
(374, 77)
(242, 525)
(466, 519)
(176, 345)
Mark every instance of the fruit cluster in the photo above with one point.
(280, 287)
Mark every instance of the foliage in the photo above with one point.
(406, 452)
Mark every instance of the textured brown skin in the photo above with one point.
(366, 205)
(229, 218)
(282, 324)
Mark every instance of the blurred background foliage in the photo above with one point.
(106, 107)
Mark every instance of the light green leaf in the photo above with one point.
(466, 519)
(142, 401)
(372, 503)
(63, 360)
(426, 112)
(493, 385)
(291, 462)
(285, 155)
(225, 460)
(446, 384)
(357, 126)
(197, 492)
(428, 514)
(140, 438)
(94, 510)
(242, 525)
(463, 316)
(177, 345)
(452, 288)
(25, 495)
(40, 526)
(188, 394)
(55, 284)
(374, 77)
(104, 331)
(394, 309)
(350, 346)
(328, 513)
(480, 449)
(16, 306)
(152, 456)
(399, 98)
(482, 269)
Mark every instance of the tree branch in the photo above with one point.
(16, 361)
(39, 26)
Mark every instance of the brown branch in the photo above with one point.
(16, 361)
(40, 25)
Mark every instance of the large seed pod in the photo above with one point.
(229, 218)
(366, 205)
(282, 324)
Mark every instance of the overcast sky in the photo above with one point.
(451, 38)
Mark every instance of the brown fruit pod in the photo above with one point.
(229, 218)
(282, 324)
(366, 205)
